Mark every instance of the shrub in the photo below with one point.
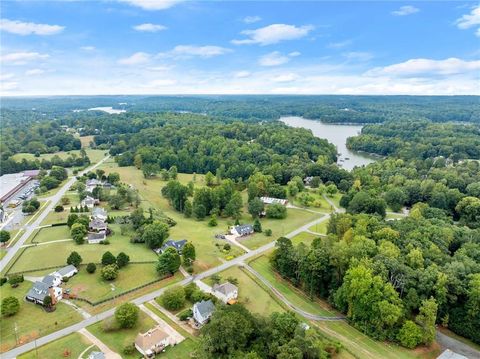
(59, 208)
(122, 260)
(268, 232)
(173, 298)
(110, 325)
(129, 349)
(4, 236)
(10, 306)
(91, 268)
(109, 272)
(3, 280)
(74, 259)
(227, 246)
(65, 279)
(108, 258)
(189, 289)
(104, 242)
(126, 315)
(189, 269)
(185, 314)
(15, 280)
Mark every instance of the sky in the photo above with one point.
(239, 47)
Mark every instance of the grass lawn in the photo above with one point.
(320, 227)
(395, 216)
(182, 350)
(94, 288)
(32, 320)
(323, 206)
(41, 256)
(250, 294)
(294, 295)
(335, 199)
(304, 237)
(85, 141)
(49, 234)
(117, 340)
(74, 343)
(94, 155)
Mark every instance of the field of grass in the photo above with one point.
(117, 340)
(32, 320)
(294, 295)
(304, 237)
(94, 288)
(85, 141)
(48, 234)
(250, 294)
(335, 199)
(320, 227)
(41, 256)
(395, 216)
(182, 350)
(324, 207)
(94, 155)
(75, 344)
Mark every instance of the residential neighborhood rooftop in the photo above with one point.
(66, 270)
(225, 288)
(205, 307)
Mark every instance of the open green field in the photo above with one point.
(118, 339)
(94, 288)
(75, 344)
(320, 227)
(61, 217)
(32, 320)
(250, 294)
(41, 256)
(48, 234)
(395, 216)
(335, 199)
(182, 350)
(304, 237)
(294, 295)
(94, 155)
(321, 204)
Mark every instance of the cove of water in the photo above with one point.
(336, 134)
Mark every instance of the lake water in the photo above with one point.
(110, 110)
(336, 134)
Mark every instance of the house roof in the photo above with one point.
(205, 307)
(151, 338)
(97, 211)
(97, 223)
(94, 236)
(93, 182)
(448, 354)
(66, 270)
(244, 229)
(49, 280)
(96, 355)
(225, 288)
(88, 199)
(31, 173)
(178, 245)
(38, 291)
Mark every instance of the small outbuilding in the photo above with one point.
(67, 271)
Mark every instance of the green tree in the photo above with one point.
(255, 207)
(78, 233)
(276, 211)
(10, 306)
(257, 226)
(469, 211)
(410, 335)
(213, 221)
(426, 318)
(395, 198)
(173, 172)
(47, 301)
(108, 258)
(173, 298)
(122, 260)
(188, 210)
(109, 272)
(234, 205)
(91, 268)
(126, 315)
(209, 179)
(155, 234)
(74, 259)
(168, 262)
(188, 253)
(4, 236)
(72, 218)
(199, 211)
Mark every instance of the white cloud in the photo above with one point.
(427, 67)
(20, 58)
(285, 77)
(294, 54)
(242, 74)
(6, 76)
(200, 51)
(152, 5)
(162, 82)
(147, 27)
(339, 45)
(34, 72)
(405, 10)
(87, 48)
(29, 28)
(274, 58)
(251, 19)
(358, 56)
(137, 58)
(470, 20)
(8, 85)
(273, 34)
(159, 68)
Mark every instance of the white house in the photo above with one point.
(241, 230)
(271, 200)
(226, 292)
(99, 213)
(202, 311)
(52, 281)
(95, 238)
(67, 271)
(152, 342)
(40, 290)
(90, 202)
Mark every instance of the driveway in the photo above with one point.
(456, 346)
(109, 354)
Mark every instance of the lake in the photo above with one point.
(336, 134)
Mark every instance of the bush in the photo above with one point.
(122, 260)
(74, 259)
(189, 289)
(268, 232)
(3, 280)
(185, 314)
(15, 280)
(173, 298)
(126, 315)
(276, 211)
(108, 258)
(59, 208)
(4, 236)
(110, 325)
(10, 306)
(129, 349)
(227, 246)
(189, 269)
(104, 242)
(91, 268)
(109, 272)
(65, 279)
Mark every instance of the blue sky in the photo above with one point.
(212, 47)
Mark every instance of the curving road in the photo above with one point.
(32, 226)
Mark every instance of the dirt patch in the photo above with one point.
(430, 352)
(77, 289)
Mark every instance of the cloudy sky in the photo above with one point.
(226, 47)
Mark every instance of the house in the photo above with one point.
(97, 225)
(52, 281)
(152, 342)
(95, 238)
(67, 271)
(242, 230)
(99, 213)
(40, 290)
(308, 180)
(271, 200)
(96, 355)
(177, 245)
(448, 354)
(226, 292)
(91, 184)
(90, 202)
(202, 311)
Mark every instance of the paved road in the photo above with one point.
(288, 303)
(457, 346)
(32, 226)
(150, 296)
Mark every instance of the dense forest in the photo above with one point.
(419, 139)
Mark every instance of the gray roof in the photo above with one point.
(49, 280)
(96, 355)
(38, 291)
(93, 182)
(205, 307)
(244, 229)
(225, 288)
(98, 211)
(97, 224)
(448, 354)
(65, 270)
(178, 245)
(94, 236)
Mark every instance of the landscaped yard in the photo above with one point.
(119, 339)
(324, 207)
(32, 320)
(253, 296)
(48, 234)
(320, 227)
(94, 155)
(304, 237)
(75, 344)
